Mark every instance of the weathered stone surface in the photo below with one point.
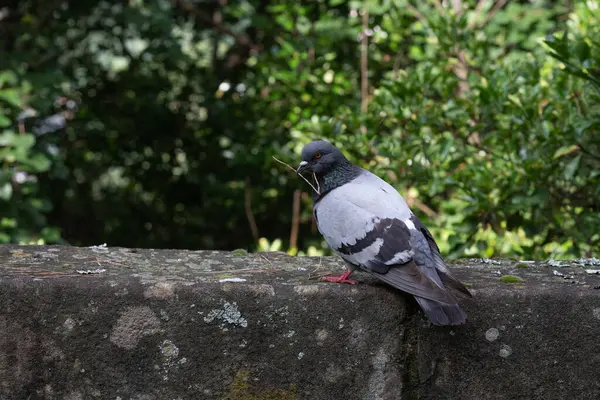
(87, 323)
(535, 340)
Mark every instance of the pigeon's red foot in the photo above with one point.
(339, 279)
(343, 278)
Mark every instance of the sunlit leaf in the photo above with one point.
(565, 150)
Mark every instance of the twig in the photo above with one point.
(217, 25)
(312, 275)
(461, 70)
(438, 6)
(416, 13)
(248, 209)
(492, 12)
(364, 48)
(457, 6)
(292, 168)
(425, 209)
(396, 66)
(478, 11)
(295, 220)
(245, 270)
(217, 20)
(266, 259)
(317, 183)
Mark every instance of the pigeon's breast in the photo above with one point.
(348, 212)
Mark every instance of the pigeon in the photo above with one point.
(368, 223)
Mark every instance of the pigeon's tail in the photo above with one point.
(439, 305)
(442, 313)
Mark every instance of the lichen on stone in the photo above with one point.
(555, 263)
(490, 261)
(588, 261)
(492, 334)
(505, 351)
(132, 325)
(168, 350)
(229, 314)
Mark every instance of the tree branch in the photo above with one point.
(364, 52)
(461, 70)
(457, 6)
(477, 15)
(295, 220)
(493, 12)
(248, 210)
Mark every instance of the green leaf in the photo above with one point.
(6, 138)
(8, 223)
(4, 238)
(4, 121)
(39, 163)
(23, 142)
(6, 191)
(378, 7)
(515, 100)
(8, 76)
(572, 166)
(11, 96)
(563, 151)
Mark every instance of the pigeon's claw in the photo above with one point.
(343, 278)
(339, 279)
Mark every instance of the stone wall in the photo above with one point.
(115, 323)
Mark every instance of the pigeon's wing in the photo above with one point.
(368, 223)
(420, 276)
(405, 255)
(449, 280)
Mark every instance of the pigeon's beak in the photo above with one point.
(303, 165)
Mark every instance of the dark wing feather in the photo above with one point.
(409, 278)
(449, 280)
(393, 263)
(395, 239)
(454, 284)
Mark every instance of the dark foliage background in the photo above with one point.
(153, 123)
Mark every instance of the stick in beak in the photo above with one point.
(302, 166)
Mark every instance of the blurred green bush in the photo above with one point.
(22, 205)
(483, 114)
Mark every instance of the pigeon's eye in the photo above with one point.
(318, 155)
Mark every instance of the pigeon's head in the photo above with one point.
(320, 156)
